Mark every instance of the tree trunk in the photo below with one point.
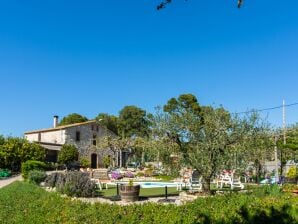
(258, 172)
(143, 157)
(207, 185)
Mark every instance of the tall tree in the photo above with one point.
(257, 143)
(108, 121)
(288, 151)
(72, 119)
(114, 143)
(133, 122)
(205, 138)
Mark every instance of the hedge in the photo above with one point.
(22, 202)
(32, 165)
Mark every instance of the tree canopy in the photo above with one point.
(72, 119)
(68, 154)
(206, 138)
(15, 151)
(133, 122)
(108, 121)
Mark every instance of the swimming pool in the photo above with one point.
(157, 184)
(147, 184)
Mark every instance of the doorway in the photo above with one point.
(93, 161)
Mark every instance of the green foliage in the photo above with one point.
(32, 165)
(2, 140)
(107, 161)
(26, 203)
(133, 122)
(288, 151)
(290, 187)
(292, 172)
(14, 151)
(68, 154)
(72, 119)
(108, 121)
(130, 182)
(4, 173)
(72, 183)
(186, 102)
(206, 138)
(55, 179)
(164, 177)
(36, 176)
(272, 190)
(84, 162)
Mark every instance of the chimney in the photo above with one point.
(55, 121)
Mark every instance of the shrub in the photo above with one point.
(107, 161)
(140, 174)
(32, 165)
(129, 175)
(292, 172)
(68, 154)
(15, 151)
(51, 179)
(289, 187)
(72, 183)
(84, 162)
(75, 165)
(52, 165)
(22, 202)
(148, 173)
(4, 173)
(268, 190)
(36, 176)
(116, 175)
(56, 180)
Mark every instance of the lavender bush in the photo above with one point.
(116, 175)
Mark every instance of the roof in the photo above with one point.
(62, 127)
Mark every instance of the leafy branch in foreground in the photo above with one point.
(163, 4)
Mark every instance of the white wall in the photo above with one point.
(57, 136)
(32, 137)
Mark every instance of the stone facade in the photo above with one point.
(82, 135)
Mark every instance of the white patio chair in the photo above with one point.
(195, 181)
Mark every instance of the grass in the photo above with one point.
(22, 202)
(144, 192)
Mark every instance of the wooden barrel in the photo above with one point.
(129, 193)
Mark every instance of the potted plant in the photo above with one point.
(130, 192)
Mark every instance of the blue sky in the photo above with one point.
(59, 57)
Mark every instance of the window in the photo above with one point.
(92, 128)
(78, 136)
(94, 140)
(39, 136)
(97, 129)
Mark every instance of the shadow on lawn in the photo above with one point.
(274, 216)
(281, 216)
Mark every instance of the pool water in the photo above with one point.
(156, 184)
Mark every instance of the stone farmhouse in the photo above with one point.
(83, 135)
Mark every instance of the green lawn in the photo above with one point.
(144, 192)
(26, 203)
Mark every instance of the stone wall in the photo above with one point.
(85, 145)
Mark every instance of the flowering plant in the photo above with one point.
(116, 175)
(129, 175)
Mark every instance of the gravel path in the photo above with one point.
(8, 181)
